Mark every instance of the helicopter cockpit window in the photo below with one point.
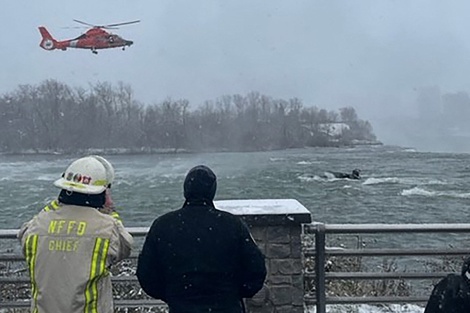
(111, 39)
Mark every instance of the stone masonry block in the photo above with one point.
(296, 248)
(278, 234)
(290, 309)
(297, 281)
(295, 231)
(280, 280)
(286, 266)
(297, 296)
(281, 295)
(278, 251)
(284, 309)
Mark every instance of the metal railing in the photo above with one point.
(321, 252)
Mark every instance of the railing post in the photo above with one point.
(320, 288)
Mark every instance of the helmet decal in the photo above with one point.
(77, 178)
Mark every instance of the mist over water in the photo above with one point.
(429, 118)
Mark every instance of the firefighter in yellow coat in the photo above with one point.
(70, 248)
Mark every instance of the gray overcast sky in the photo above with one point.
(369, 54)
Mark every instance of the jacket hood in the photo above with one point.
(200, 184)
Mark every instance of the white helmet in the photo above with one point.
(86, 175)
(109, 168)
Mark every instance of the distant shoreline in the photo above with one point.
(149, 151)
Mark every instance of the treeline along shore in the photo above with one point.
(54, 117)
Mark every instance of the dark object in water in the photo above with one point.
(356, 174)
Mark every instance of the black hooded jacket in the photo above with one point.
(198, 258)
(452, 293)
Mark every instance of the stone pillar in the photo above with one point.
(276, 226)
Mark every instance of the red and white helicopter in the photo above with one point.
(93, 39)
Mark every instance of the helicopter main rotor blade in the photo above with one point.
(109, 26)
(84, 23)
(119, 24)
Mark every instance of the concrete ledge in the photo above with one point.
(268, 212)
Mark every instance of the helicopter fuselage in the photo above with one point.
(94, 39)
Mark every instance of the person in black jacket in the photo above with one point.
(452, 293)
(198, 258)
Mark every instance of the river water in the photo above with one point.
(398, 185)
